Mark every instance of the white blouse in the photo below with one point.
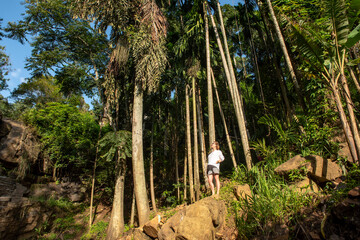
(214, 157)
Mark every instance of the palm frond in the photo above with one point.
(308, 46)
(340, 24)
(151, 15)
(354, 37)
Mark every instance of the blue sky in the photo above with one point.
(11, 11)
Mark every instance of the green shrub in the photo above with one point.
(68, 136)
(97, 231)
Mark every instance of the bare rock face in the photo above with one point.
(200, 220)
(197, 224)
(306, 185)
(152, 227)
(323, 170)
(18, 215)
(294, 163)
(69, 190)
(318, 169)
(17, 143)
(168, 230)
(241, 191)
(354, 193)
(345, 151)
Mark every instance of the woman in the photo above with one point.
(213, 167)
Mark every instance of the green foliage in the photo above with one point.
(39, 90)
(169, 197)
(63, 225)
(68, 136)
(272, 202)
(298, 174)
(316, 137)
(64, 47)
(4, 68)
(115, 143)
(12, 110)
(307, 135)
(341, 192)
(97, 231)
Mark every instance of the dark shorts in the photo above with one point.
(212, 170)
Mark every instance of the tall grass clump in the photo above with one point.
(272, 202)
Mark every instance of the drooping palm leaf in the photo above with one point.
(353, 37)
(340, 24)
(307, 46)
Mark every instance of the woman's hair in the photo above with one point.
(217, 145)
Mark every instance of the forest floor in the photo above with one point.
(310, 222)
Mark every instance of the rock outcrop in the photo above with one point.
(68, 190)
(201, 221)
(19, 216)
(242, 191)
(317, 169)
(17, 144)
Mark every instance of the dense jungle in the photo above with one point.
(275, 83)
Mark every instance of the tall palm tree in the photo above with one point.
(145, 27)
(235, 95)
(286, 55)
(212, 136)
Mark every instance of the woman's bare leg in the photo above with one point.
(217, 180)
(210, 177)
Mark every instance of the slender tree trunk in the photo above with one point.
(116, 224)
(236, 100)
(236, 139)
(133, 210)
(353, 76)
(273, 57)
(185, 176)
(142, 201)
(176, 167)
(345, 124)
(175, 146)
(254, 56)
(350, 108)
(202, 139)
(287, 57)
(212, 136)
(224, 122)
(196, 150)
(93, 177)
(152, 191)
(188, 141)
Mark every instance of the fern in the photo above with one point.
(284, 135)
(114, 141)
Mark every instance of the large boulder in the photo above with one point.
(152, 227)
(242, 191)
(317, 168)
(306, 185)
(18, 144)
(169, 228)
(323, 170)
(200, 220)
(197, 224)
(294, 163)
